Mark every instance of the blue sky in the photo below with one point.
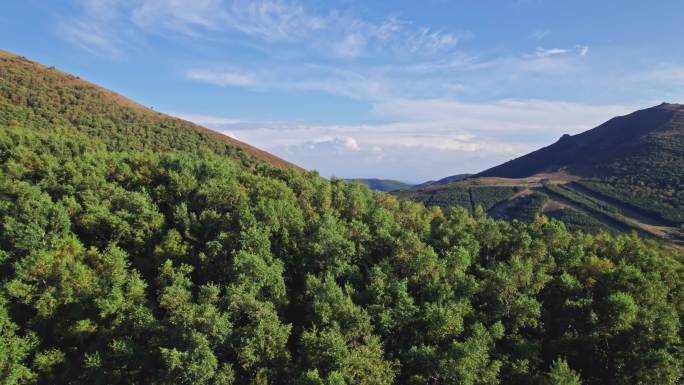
(409, 90)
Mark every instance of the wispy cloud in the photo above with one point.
(313, 78)
(551, 60)
(540, 34)
(267, 19)
(330, 32)
(222, 78)
(547, 52)
(98, 29)
(450, 135)
(667, 73)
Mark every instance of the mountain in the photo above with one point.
(136, 248)
(637, 159)
(653, 136)
(385, 185)
(43, 97)
(624, 175)
(389, 185)
(443, 181)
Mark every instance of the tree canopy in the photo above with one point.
(136, 251)
(189, 268)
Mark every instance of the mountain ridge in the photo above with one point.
(384, 185)
(626, 174)
(574, 151)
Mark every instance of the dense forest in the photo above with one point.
(128, 257)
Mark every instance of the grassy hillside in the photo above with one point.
(443, 181)
(463, 195)
(41, 98)
(132, 258)
(385, 185)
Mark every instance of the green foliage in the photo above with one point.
(575, 220)
(561, 374)
(123, 265)
(466, 197)
(606, 211)
(488, 196)
(526, 208)
(445, 198)
(635, 160)
(666, 202)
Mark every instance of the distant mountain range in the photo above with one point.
(624, 175)
(443, 181)
(389, 185)
(385, 185)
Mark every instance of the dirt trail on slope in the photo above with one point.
(498, 211)
(625, 210)
(647, 224)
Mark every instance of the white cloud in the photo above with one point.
(267, 19)
(330, 80)
(336, 143)
(100, 23)
(98, 30)
(580, 50)
(518, 116)
(551, 60)
(540, 34)
(667, 73)
(546, 52)
(221, 78)
(448, 135)
(351, 46)
(425, 39)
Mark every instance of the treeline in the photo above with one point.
(666, 203)
(601, 209)
(468, 197)
(575, 220)
(526, 208)
(123, 267)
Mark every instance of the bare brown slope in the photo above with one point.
(108, 96)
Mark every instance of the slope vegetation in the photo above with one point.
(637, 159)
(35, 96)
(132, 258)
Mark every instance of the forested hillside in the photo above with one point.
(636, 160)
(624, 175)
(127, 260)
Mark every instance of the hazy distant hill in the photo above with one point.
(443, 181)
(385, 185)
